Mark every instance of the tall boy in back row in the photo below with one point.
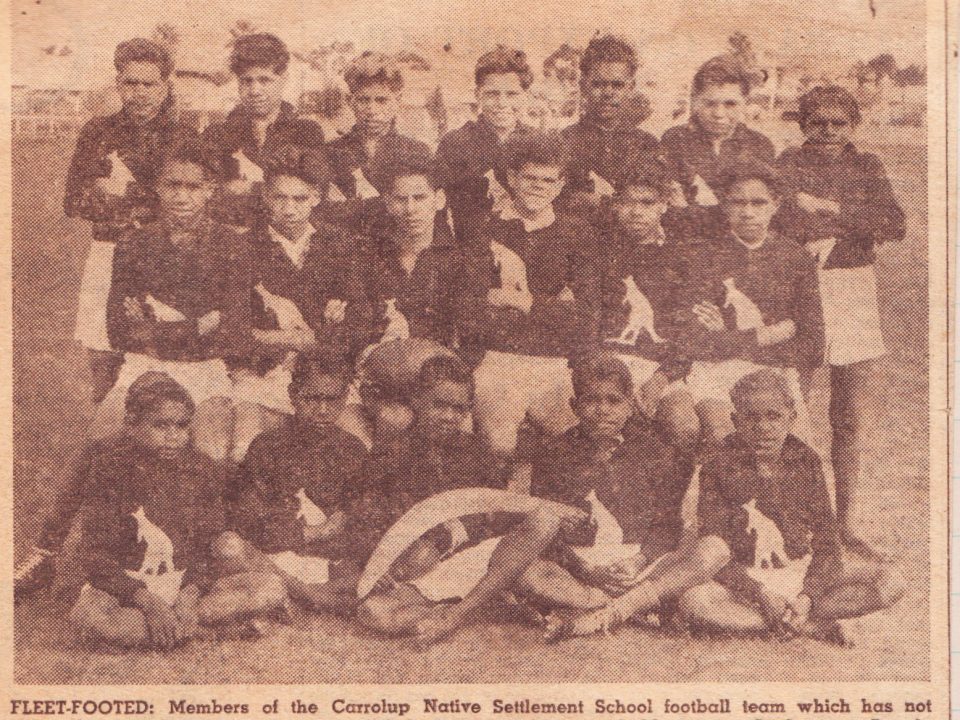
(260, 124)
(468, 158)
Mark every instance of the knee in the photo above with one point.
(698, 602)
(537, 575)
(678, 421)
(711, 553)
(228, 546)
(376, 613)
(542, 523)
(891, 586)
(269, 592)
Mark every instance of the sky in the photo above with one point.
(667, 33)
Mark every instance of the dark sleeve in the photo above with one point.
(124, 283)
(233, 335)
(763, 148)
(808, 316)
(826, 563)
(715, 515)
(88, 163)
(586, 285)
(873, 213)
(666, 524)
(102, 527)
(209, 522)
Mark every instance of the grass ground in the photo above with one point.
(51, 408)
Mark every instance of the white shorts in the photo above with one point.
(851, 315)
(270, 390)
(786, 582)
(305, 568)
(91, 328)
(641, 369)
(454, 577)
(202, 379)
(509, 386)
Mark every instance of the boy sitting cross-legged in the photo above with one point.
(633, 484)
(765, 495)
(293, 492)
(153, 506)
(462, 560)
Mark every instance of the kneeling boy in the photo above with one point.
(153, 509)
(293, 492)
(634, 484)
(765, 495)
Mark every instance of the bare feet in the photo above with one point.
(440, 623)
(856, 545)
(828, 631)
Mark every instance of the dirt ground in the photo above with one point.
(51, 407)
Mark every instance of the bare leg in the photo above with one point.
(678, 420)
(249, 420)
(674, 574)
(240, 597)
(213, 427)
(714, 420)
(712, 606)
(547, 582)
(852, 416)
(395, 612)
(513, 554)
(99, 617)
(860, 591)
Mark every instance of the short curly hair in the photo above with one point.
(188, 148)
(765, 380)
(721, 70)
(608, 49)
(149, 391)
(503, 60)
(649, 172)
(143, 50)
(828, 96)
(597, 367)
(373, 68)
(744, 168)
(259, 50)
(325, 361)
(443, 369)
(293, 161)
(541, 147)
(395, 163)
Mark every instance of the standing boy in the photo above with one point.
(613, 462)
(535, 282)
(112, 183)
(260, 124)
(180, 299)
(468, 158)
(715, 134)
(765, 495)
(842, 209)
(152, 511)
(307, 291)
(416, 269)
(604, 142)
(375, 85)
(294, 490)
(750, 299)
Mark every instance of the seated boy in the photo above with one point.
(415, 268)
(307, 291)
(260, 124)
(468, 158)
(375, 85)
(604, 143)
(112, 183)
(535, 283)
(764, 494)
(180, 299)
(715, 134)
(643, 265)
(750, 299)
(614, 463)
(438, 454)
(294, 489)
(153, 507)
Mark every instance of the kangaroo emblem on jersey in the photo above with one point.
(640, 317)
(311, 514)
(364, 189)
(608, 544)
(768, 549)
(163, 312)
(249, 170)
(496, 192)
(120, 175)
(748, 314)
(286, 311)
(397, 326)
(512, 272)
(600, 185)
(157, 571)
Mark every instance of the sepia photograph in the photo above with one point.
(386, 343)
